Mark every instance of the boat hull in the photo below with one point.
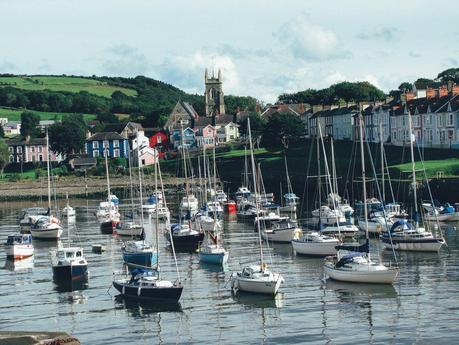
(279, 235)
(142, 259)
(70, 273)
(18, 251)
(187, 242)
(107, 227)
(257, 286)
(46, 234)
(213, 258)
(314, 248)
(425, 245)
(369, 277)
(170, 294)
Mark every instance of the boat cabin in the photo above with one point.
(70, 254)
(19, 239)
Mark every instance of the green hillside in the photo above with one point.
(65, 84)
(15, 114)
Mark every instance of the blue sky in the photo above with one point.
(264, 48)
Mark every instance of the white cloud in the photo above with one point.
(125, 61)
(309, 41)
(187, 72)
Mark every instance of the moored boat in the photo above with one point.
(18, 246)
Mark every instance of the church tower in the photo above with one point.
(215, 103)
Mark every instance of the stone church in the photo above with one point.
(215, 102)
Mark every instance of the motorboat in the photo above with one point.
(221, 196)
(130, 228)
(188, 206)
(404, 235)
(46, 228)
(282, 230)
(69, 265)
(18, 246)
(29, 216)
(329, 216)
(315, 244)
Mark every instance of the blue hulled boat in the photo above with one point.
(139, 253)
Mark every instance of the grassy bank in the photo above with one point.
(64, 83)
(14, 114)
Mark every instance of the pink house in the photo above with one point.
(29, 150)
(205, 136)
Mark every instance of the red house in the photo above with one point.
(160, 140)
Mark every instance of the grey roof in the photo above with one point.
(106, 136)
(19, 140)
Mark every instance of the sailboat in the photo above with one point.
(47, 227)
(406, 235)
(69, 263)
(357, 266)
(211, 250)
(147, 284)
(132, 228)
(256, 278)
(184, 235)
(107, 213)
(140, 252)
(314, 243)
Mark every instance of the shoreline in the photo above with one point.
(75, 187)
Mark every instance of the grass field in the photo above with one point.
(64, 83)
(15, 114)
(449, 167)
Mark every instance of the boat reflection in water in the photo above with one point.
(141, 308)
(251, 300)
(19, 266)
(348, 292)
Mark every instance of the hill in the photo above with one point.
(64, 83)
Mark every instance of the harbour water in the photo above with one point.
(422, 306)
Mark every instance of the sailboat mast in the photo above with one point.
(205, 173)
(382, 162)
(252, 159)
(335, 177)
(364, 179)
(156, 213)
(107, 175)
(131, 186)
(140, 180)
(184, 167)
(319, 134)
(47, 171)
(413, 168)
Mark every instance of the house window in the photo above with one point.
(116, 143)
(450, 134)
(95, 154)
(11, 158)
(33, 158)
(143, 161)
(442, 136)
(159, 139)
(450, 120)
(106, 143)
(440, 120)
(40, 158)
(116, 153)
(231, 137)
(19, 149)
(32, 149)
(40, 148)
(11, 149)
(95, 144)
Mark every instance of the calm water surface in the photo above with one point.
(422, 306)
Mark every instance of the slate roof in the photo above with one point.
(105, 136)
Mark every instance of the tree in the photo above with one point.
(69, 136)
(29, 124)
(4, 156)
(450, 74)
(283, 129)
(405, 86)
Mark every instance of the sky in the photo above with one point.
(264, 48)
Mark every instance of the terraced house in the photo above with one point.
(26, 150)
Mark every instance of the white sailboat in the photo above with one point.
(409, 236)
(107, 213)
(256, 278)
(47, 227)
(357, 266)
